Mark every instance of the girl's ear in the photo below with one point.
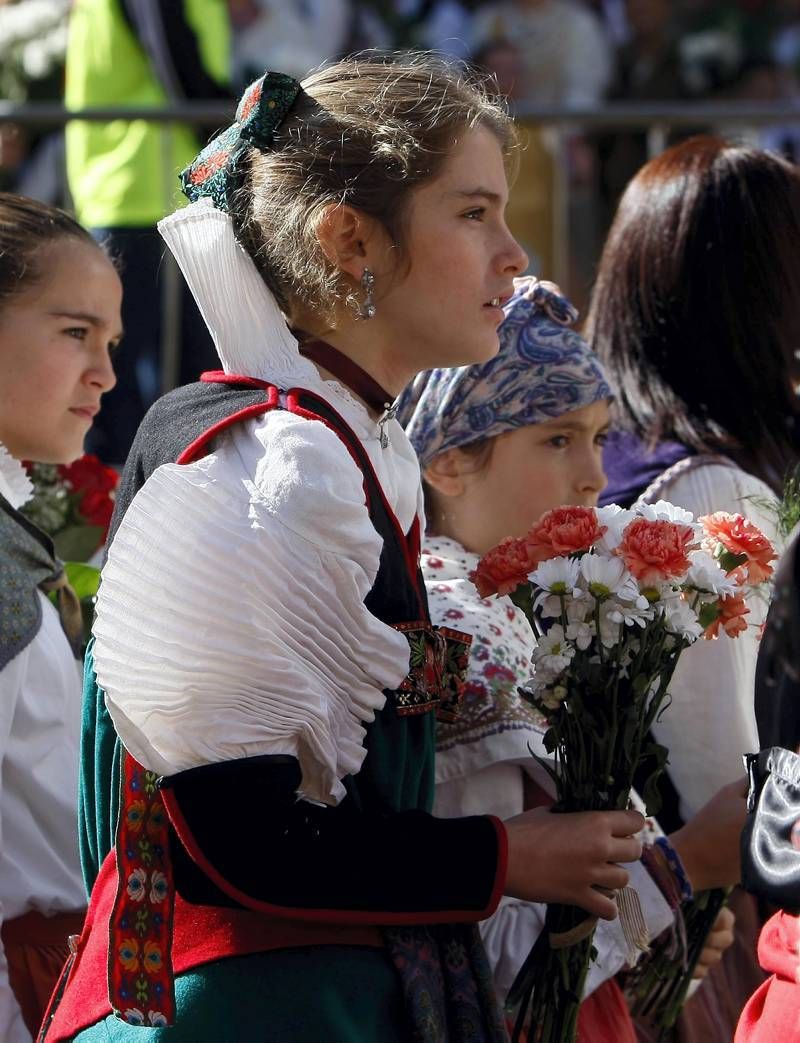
(446, 472)
(346, 236)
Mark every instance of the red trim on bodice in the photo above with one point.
(203, 933)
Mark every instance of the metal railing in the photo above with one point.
(656, 120)
(632, 115)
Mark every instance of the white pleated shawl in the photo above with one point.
(230, 620)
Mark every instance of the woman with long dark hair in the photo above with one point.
(695, 315)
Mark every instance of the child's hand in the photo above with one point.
(571, 858)
(708, 844)
(720, 938)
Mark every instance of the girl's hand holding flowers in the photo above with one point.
(567, 858)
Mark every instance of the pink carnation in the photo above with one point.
(565, 530)
(655, 551)
(732, 611)
(503, 568)
(740, 538)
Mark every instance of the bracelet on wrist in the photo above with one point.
(673, 860)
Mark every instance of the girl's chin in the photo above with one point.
(461, 354)
(483, 352)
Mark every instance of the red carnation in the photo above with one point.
(88, 474)
(97, 508)
(93, 486)
(503, 568)
(565, 530)
(744, 543)
(655, 551)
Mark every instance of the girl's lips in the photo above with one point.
(87, 412)
(499, 301)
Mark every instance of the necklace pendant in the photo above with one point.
(388, 414)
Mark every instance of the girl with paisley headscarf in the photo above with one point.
(500, 443)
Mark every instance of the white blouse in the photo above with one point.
(711, 721)
(231, 618)
(40, 713)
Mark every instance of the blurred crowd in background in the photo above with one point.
(576, 54)
(542, 52)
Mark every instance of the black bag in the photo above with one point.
(770, 859)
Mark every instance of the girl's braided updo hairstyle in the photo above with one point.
(365, 131)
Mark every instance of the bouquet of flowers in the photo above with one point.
(613, 597)
(73, 504)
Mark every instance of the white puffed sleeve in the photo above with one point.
(231, 618)
(711, 720)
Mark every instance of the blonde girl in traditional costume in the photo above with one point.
(258, 774)
(59, 316)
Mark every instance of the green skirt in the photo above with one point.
(326, 994)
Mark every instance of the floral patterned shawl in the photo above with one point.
(494, 724)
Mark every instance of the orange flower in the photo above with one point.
(135, 815)
(156, 819)
(565, 530)
(735, 541)
(153, 960)
(655, 551)
(503, 568)
(732, 611)
(129, 954)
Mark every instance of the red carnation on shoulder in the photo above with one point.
(92, 485)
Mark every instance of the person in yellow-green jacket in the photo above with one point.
(123, 174)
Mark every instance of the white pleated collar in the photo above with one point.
(246, 324)
(15, 485)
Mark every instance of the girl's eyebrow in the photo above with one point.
(473, 193)
(83, 316)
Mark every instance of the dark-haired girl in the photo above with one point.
(696, 316)
(59, 315)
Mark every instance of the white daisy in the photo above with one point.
(556, 575)
(556, 578)
(706, 577)
(610, 628)
(606, 576)
(581, 634)
(665, 511)
(681, 620)
(638, 612)
(554, 697)
(616, 519)
(553, 652)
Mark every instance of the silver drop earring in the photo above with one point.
(367, 308)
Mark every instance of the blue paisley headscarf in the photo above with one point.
(542, 370)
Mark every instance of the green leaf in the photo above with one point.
(84, 579)
(522, 597)
(640, 683)
(655, 757)
(550, 740)
(78, 542)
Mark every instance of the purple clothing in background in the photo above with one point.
(631, 467)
